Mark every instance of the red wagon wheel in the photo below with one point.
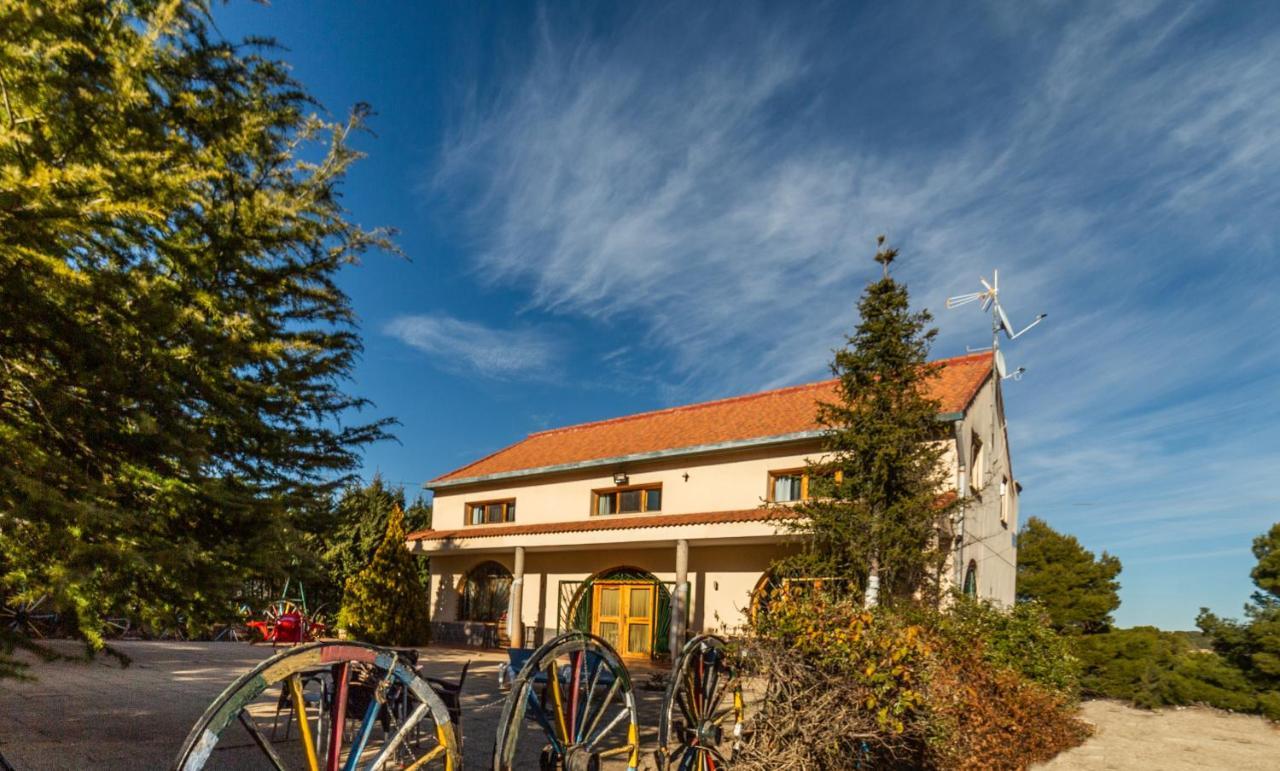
(317, 690)
(703, 710)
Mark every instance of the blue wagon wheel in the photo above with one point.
(703, 711)
(31, 617)
(319, 691)
(571, 708)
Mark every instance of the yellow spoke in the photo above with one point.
(425, 759)
(304, 728)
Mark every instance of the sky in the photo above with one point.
(610, 208)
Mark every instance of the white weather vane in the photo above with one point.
(990, 299)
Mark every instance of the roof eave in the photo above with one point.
(737, 444)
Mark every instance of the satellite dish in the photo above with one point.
(1001, 369)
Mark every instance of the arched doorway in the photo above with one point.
(627, 606)
(484, 593)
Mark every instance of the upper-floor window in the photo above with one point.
(1006, 496)
(977, 463)
(798, 485)
(627, 500)
(485, 512)
(787, 486)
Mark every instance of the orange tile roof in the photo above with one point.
(778, 412)
(617, 522)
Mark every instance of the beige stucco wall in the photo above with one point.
(721, 579)
(987, 540)
(721, 482)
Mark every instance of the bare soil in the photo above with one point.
(1171, 740)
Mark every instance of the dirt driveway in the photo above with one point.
(1171, 740)
(98, 716)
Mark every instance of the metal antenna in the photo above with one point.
(990, 300)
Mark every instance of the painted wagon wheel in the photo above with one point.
(355, 681)
(703, 711)
(34, 618)
(572, 707)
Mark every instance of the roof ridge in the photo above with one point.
(680, 408)
(710, 403)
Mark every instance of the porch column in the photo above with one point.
(680, 602)
(515, 624)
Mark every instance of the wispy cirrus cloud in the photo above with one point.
(717, 181)
(457, 345)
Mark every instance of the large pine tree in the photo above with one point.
(1077, 590)
(875, 514)
(173, 347)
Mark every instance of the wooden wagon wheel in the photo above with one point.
(33, 618)
(703, 711)
(572, 707)
(403, 724)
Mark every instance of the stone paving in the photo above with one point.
(97, 715)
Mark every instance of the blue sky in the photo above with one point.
(613, 209)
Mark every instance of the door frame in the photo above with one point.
(623, 623)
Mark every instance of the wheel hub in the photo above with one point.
(578, 758)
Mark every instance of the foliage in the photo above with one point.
(1078, 591)
(1021, 639)
(386, 603)
(1151, 668)
(904, 686)
(874, 509)
(1254, 644)
(357, 524)
(173, 347)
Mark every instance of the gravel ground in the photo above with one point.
(1171, 740)
(95, 715)
(98, 716)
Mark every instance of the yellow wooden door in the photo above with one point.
(624, 617)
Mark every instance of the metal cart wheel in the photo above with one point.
(703, 710)
(570, 708)
(403, 723)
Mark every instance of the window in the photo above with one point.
(1006, 496)
(787, 486)
(485, 593)
(794, 485)
(485, 512)
(977, 469)
(971, 579)
(626, 500)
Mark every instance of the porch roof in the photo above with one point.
(615, 522)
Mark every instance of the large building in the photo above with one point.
(620, 526)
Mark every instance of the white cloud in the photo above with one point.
(1124, 182)
(456, 345)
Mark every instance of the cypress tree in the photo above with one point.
(173, 346)
(1078, 591)
(874, 517)
(386, 603)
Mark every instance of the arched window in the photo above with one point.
(971, 579)
(485, 592)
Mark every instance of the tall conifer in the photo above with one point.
(875, 516)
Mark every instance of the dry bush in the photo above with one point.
(847, 688)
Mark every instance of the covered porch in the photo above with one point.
(643, 589)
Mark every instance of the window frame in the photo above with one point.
(770, 484)
(508, 512)
(1006, 492)
(977, 462)
(617, 490)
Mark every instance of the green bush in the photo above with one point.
(1021, 639)
(386, 603)
(1151, 668)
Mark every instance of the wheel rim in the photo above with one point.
(572, 705)
(702, 711)
(32, 618)
(338, 684)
